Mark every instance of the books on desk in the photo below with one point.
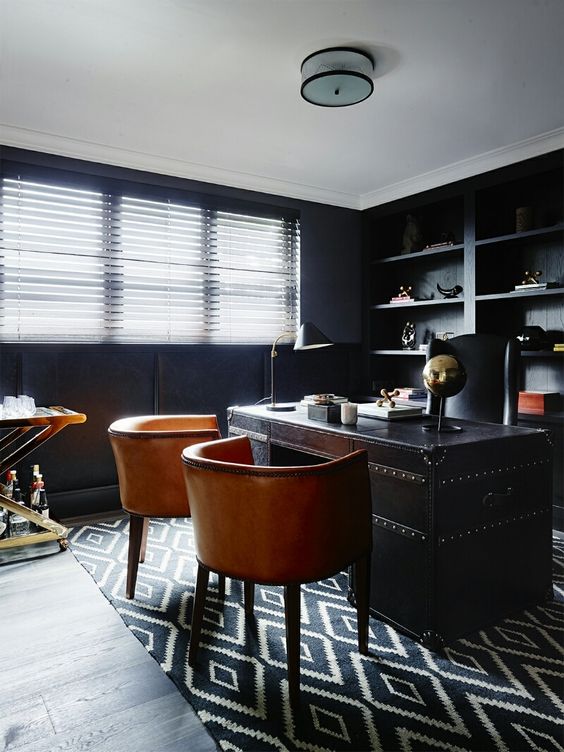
(371, 410)
(323, 399)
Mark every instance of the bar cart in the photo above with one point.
(45, 423)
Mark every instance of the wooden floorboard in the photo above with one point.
(73, 677)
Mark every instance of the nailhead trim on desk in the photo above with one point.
(494, 471)
(234, 430)
(492, 525)
(395, 527)
(400, 474)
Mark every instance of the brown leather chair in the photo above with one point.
(147, 452)
(278, 526)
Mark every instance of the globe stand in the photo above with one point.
(438, 426)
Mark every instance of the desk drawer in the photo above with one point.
(304, 439)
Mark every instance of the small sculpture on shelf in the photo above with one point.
(412, 237)
(531, 278)
(387, 398)
(403, 296)
(408, 336)
(450, 292)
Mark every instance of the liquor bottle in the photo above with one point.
(36, 486)
(19, 525)
(32, 487)
(43, 506)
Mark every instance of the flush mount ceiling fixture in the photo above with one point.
(337, 77)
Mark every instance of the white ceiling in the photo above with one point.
(210, 89)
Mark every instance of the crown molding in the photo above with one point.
(25, 138)
(491, 160)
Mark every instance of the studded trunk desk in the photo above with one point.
(461, 521)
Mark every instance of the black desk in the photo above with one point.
(461, 521)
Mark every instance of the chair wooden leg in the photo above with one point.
(249, 591)
(221, 586)
(135, 535)
(198, 612)
(362, 589)
(292, 609)
(143, 550)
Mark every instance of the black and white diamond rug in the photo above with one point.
(500, 689)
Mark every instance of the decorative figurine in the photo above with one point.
(387, 398)
(531, 278)
(412, 237)
(443, 376)
(405, 292)
(408, 336)
(450, 292)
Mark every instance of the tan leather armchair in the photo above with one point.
(278, 526)
(147, 452)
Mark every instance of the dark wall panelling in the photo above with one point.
(202, 379)
(114, 381)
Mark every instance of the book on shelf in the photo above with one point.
(538, 402)
(537, 286)
(411, 389)
(371, 410)
(558, 347)
(401, 299)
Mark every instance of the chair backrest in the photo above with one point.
(276, 525)
(147, 452)
(492, 388)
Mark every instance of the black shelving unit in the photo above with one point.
(488, 258)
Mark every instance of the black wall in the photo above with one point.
(111, 381)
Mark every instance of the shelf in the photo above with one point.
(555, 417)
(397, 352)
(419, 254)
(417, 303)
(518, 295)
(541, 354)
(541, 232)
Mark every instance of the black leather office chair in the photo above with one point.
(492, 388)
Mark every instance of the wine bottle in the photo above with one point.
(43, 506)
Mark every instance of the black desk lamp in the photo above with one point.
(308, 338)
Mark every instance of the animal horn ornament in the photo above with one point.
(450, 292)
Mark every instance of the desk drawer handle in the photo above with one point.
(497, 498)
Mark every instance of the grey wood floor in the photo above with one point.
(73, 677)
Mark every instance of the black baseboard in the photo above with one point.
(86, 502)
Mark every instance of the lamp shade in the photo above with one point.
(337, 77)
(309, 337)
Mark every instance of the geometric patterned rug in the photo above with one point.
(499, 689)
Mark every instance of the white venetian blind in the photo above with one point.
(85, 266)
(53, 262)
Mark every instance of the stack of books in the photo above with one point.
(371, 410)
(401, 299)
(536, 286)
(411, 393)
(559, 347)
(323, 399)
(538, 402)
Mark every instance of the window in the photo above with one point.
(98, 266)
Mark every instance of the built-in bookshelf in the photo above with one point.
(472, 235)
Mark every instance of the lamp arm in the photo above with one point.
(273, 354)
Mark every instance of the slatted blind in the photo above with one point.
(89, 266)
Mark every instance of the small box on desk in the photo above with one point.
(326, 413)
(538, 402)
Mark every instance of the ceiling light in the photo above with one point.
(337, 77)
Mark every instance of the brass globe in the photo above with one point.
(444, 375)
